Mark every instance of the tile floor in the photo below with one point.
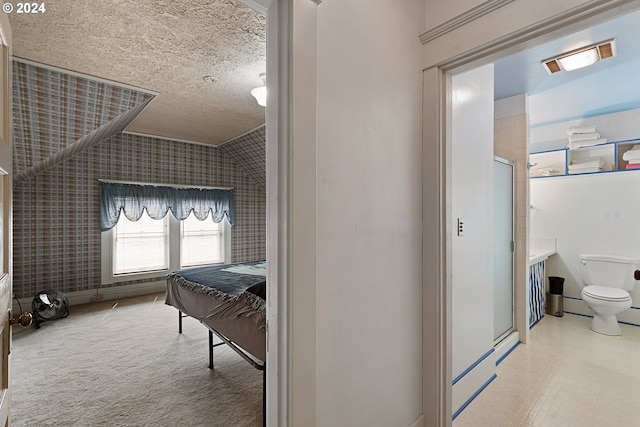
(566, 376)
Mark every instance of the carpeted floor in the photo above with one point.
(128, 366)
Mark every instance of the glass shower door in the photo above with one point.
(503, 247)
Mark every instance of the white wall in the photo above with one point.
(472, 257)
(596, 213)
(615, 127)
(367, 316)
(587, 213)
(440, 11)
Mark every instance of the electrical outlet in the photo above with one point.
(97, 297)
(460, 227)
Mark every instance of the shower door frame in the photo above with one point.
(513, 252)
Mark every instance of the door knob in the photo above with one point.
(25, 319)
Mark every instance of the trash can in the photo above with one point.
(554, 298)
(556, 285)
(553, 304)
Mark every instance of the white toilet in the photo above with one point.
(607, 281)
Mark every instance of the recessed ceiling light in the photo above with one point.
(580, 58)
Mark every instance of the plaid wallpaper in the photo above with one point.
(52, 109)
(57, 216)
(249, 151)
(56, 213)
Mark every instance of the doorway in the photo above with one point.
(478, 50)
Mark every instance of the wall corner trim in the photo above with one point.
(462, 19)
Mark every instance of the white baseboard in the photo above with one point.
(505, 346)
(577, 306)
(473, 381)
(104, 294)
(419, 422)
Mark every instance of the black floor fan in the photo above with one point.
(49, 305)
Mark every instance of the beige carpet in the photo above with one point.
(128, 366)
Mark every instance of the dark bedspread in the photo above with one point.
(226, 285)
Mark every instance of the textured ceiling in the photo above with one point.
(164, 46)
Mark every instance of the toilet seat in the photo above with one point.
(604, 293)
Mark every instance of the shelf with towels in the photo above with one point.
(609, 157)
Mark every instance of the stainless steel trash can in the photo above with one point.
(553, 304)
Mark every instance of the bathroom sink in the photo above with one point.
(537, 255)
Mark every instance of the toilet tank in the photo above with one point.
(607, 270)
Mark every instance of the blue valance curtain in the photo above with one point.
(132, 199)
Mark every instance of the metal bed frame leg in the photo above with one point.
(210, 350)
(256, 365)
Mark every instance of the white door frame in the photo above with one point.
(278, 167)
(278, 199)
(437, 268)
(436, 169)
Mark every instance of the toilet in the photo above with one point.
(607, 281)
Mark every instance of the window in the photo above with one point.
(201, 242)
(140, 246)
(150, 248)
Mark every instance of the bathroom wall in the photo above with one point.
(510, 143)
(594, 213)
(473, 358)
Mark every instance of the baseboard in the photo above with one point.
(577, 306)
(506, 346)
(103, 294)
(472, 381)
(419, 422)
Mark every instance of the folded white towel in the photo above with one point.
(586, 164)
(583, 136)
(544, 172)
(581, 129)
(585, 170)
(588, 143)
(632, 154)
(634, 162)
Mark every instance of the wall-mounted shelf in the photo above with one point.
(603, 158)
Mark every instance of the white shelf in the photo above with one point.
(548, 163)
(556, 162)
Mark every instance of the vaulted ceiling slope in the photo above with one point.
(248, 151)
(53, 109)
(202, 57)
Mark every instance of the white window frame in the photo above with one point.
(106, 241)
(192, 217)
(165, 237)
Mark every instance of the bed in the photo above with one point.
(230, 301)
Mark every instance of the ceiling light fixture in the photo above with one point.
(580, 58)
(260, 92)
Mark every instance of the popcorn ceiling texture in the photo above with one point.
(164, 46)
(56, 213)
